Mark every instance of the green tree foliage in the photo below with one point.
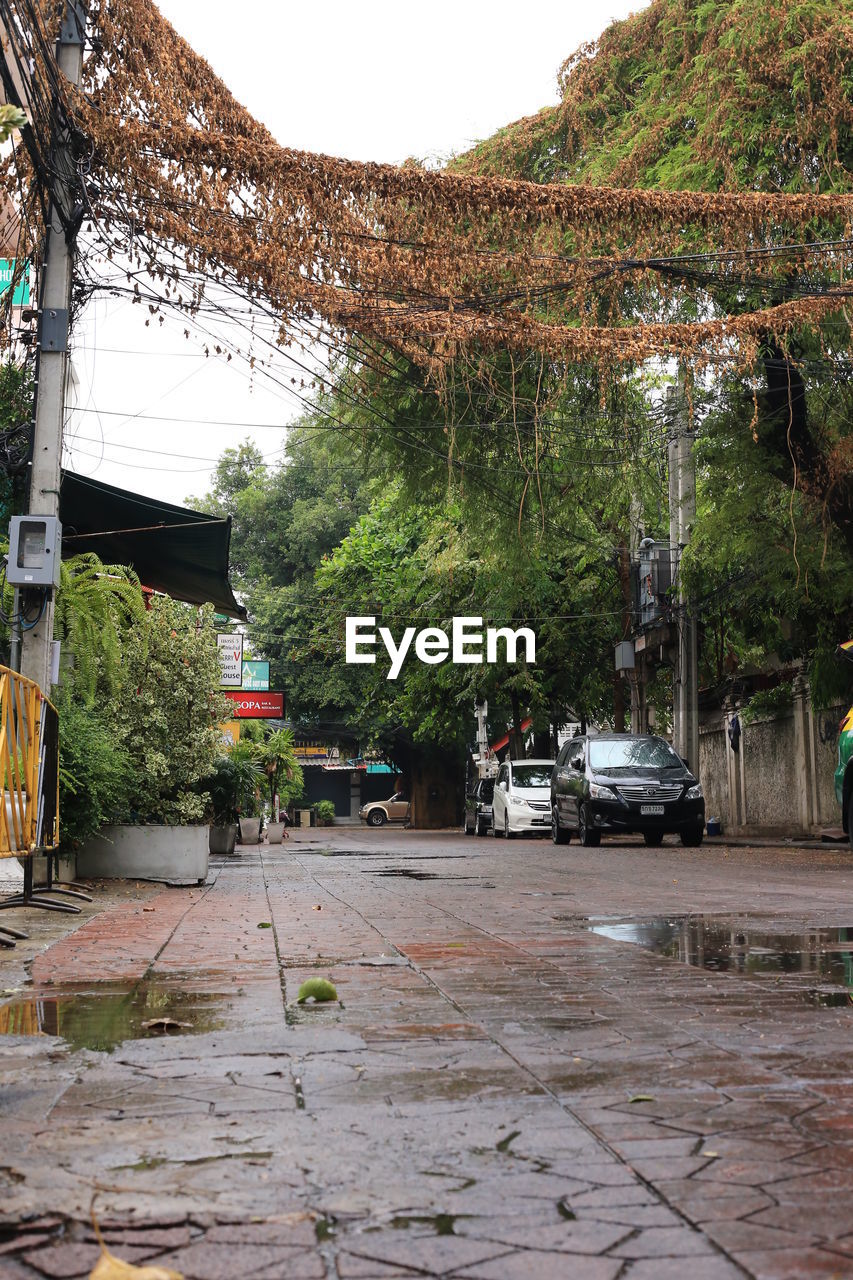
(286, 519)
(700, 95)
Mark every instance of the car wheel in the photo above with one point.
(559, 835)
(588, 837)
(653, 838)
(692, 839)
(377, 818)
(480, 827)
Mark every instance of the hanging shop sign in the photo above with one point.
(230, 660)
(256, 706)
(256, 675)
(21, 296)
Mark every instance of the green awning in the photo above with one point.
(180, 552)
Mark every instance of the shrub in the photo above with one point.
(95, 772)
(325, 811)
(168, 709)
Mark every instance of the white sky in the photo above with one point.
(378, 81)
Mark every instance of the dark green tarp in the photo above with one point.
(180, 552)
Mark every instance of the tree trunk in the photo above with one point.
(435, 791)
(618, 703)
(516, 737)
(623, 569)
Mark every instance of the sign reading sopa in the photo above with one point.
(230, 660)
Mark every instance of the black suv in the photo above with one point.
(621, 782)
(478, 806)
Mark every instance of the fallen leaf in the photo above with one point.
(149, 908)
(642, 1097)
(109, 1267)
(265, 924)
(317, 908)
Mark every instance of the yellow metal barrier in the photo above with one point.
(29, 768)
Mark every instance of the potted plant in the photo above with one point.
(325, 811)
(230, 781)
(284, 778)
(245, 756)
(164, 716)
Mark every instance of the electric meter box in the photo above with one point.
(35, 546)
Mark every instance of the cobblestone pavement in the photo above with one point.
(499, 1092)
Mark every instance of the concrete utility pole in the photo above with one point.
(682, 513)
(53, 331)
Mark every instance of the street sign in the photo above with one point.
(256, 706)
(256, 675)
(21, 296)
(230, 660)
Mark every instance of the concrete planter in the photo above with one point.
(223, 839)
(176, 855)
(250, 830)
(275, 832)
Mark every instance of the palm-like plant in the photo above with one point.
(283, 771)
(247, 777)
(95, 605)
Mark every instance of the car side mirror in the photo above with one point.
(503, 786)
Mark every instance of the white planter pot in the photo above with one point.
(176, 855)
(275, 832)
(250, 830)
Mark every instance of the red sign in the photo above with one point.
(256, 706)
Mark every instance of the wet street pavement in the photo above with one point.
(542, 1062)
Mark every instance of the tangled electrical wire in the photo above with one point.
(182, 183)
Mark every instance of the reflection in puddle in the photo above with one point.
(751, 949)
(102, 1016)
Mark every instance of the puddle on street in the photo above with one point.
(411, 873)
(378, 856)
(104, 1015)
(818, 961)
(443, 1224)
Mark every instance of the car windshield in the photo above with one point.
(532, 775)
(632, 753)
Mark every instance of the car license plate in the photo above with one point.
(652, 810)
